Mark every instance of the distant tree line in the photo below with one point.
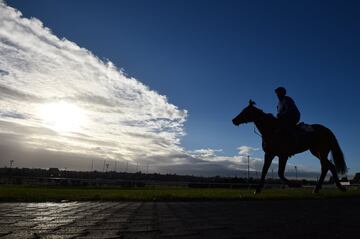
(112, 175)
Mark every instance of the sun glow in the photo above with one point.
(62, 116)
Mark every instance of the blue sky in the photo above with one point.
(211, 57)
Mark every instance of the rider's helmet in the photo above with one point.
(280, 91)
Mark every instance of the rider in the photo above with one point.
(288, 114)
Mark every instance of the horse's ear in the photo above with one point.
(251, 102)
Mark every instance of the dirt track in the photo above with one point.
(336, 218)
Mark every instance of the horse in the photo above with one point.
(316, 138)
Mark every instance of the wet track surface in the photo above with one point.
(335, 218)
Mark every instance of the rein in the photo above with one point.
(257, 132)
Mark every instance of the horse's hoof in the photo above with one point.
(315, 191)
(257, 191)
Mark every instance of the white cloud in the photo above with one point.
(38, 69)
(246, 150)
(205, 153)
(237, 162)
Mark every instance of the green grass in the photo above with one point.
(16, 193)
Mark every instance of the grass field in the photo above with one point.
(16, 193)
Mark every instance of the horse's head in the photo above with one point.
(248, 114)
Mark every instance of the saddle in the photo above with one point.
(292, 137)
(300, 129)
(306, 128)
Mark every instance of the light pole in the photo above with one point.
(248, 171)
(11, 163)
(296, 173)
(115, 166)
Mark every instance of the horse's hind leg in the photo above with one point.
(324, 170)
(325, 166)
(336, 177)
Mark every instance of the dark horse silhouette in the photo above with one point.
(316, 138)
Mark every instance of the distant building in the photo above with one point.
(356, 178)
(54, 172)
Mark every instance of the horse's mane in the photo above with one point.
(269, 116)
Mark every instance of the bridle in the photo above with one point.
(257, 132)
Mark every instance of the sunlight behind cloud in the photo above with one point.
(55, 95)
(62, 116)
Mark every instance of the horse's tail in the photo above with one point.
(337, 154)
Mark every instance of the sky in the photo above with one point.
(157, 82)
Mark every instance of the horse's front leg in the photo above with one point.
(267, 162)
(281, 172)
